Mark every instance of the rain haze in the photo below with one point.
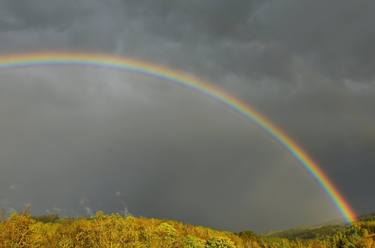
(75, 140)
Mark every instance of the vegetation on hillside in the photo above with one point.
(322, 232)
(115, 231)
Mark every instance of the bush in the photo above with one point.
(220, 242)
(49, 218)
(194, 242)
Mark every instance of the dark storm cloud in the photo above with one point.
(308, 65)
(337, 35)
(40, 14)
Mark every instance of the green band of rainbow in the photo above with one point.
(114, 62)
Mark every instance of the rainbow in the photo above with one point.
(196, 84)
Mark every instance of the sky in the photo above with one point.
(75, 140)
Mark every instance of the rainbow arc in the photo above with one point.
(196, 84)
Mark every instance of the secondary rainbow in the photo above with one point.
(194, 83)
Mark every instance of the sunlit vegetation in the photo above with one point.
(115, 231)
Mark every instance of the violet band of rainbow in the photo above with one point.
(196, 84)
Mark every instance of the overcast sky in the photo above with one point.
(75, 140)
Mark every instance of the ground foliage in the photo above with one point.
(115, 231)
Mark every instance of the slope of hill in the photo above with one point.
(115, 231)
(367, 217)
(321, 232)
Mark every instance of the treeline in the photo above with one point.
(115, 231)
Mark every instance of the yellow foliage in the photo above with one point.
(116, 231)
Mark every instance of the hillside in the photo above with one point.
(23, 230)
(321, 232)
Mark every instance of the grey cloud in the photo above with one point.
(337, 35)
(42, 14)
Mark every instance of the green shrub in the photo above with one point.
(220, 242)
(194, 242)
(49, 218)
